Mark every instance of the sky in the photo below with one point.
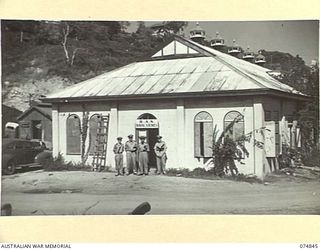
(294, 37)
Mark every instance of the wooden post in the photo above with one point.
(55, 130)
(113, 133)
(180, 134)
(259, 153)
(294, 134)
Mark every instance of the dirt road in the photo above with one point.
(62, 193)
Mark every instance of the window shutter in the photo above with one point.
(203, 129)
(93, 126)
(73, 135)
(197, 139)
(207, 140)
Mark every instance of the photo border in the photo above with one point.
(165, 228)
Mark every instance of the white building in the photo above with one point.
(184, 90)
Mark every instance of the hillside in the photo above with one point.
(35, 61)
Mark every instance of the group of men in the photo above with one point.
(137, 155)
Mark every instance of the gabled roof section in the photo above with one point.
(207, 72)
(45, 111)
(175, 48)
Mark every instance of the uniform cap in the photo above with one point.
(142, 137)
(159, 136)
(119, 138)
(130, 136)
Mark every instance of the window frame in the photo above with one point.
(68, 152)
(93, 139)
(202, 151)
(234, 138)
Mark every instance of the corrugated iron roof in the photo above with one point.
(219, 72)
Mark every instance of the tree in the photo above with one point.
(84, 134)
(70, 53)
(175, 26)
(225, 150)
(21, 27)
(141, 27)
(309, 116)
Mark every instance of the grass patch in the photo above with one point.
(202, 173)
(60, 164)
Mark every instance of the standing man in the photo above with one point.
(131, 148)
(118, 155)
(143, 149)
(160, 149)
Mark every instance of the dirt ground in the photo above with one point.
(78, 192)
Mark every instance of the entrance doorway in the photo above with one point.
(147, 125)
(36, 129)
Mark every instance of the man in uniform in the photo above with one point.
(131, 148)
(118, 155)
(160, 149)
(143, 149)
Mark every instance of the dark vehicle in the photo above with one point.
(19, 153)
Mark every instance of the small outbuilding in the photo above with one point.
(9, 121)
(182, 92)
(36, 123)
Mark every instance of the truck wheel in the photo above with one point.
(10, 168)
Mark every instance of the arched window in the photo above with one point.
(93, 126)
(147, 116)
(237, 130)
(73, 134)
(203, 132)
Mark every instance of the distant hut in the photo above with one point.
(260, 59)
(235, 49)
(198, 34)
(248, 55)
(217, 43)
(36, 123)
(9, 117)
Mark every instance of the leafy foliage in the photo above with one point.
(225, 150)
(99, 46)
(60, 164)
(202, 173)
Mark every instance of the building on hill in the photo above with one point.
(160, 29)
(36, 123)
(182, 92)
(217, 43)
(235, 50)
(198, 34)
(9, 115)
(260, 59)
(248, 55)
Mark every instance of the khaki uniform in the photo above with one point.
(131, 148)
(118, 156)
(160, 149)
(143, 150)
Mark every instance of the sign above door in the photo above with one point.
(147, 123)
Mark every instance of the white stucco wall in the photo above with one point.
(218, 109)
(165, 112)
(179, 139)
(176, 125)
(64, 111)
